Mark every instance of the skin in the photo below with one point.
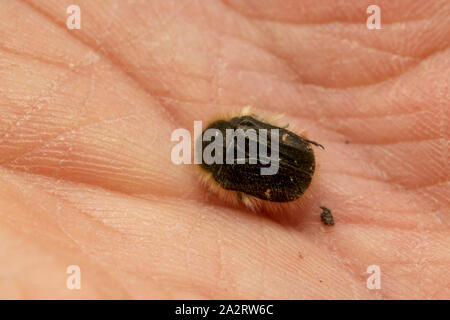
(86, 177)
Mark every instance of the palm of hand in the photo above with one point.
(87, 178)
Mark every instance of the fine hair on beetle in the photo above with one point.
(252, 160)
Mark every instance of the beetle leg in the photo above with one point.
(314, 143)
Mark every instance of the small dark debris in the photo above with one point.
(347, 142)
(326, 216)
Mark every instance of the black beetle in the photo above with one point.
(242, 176)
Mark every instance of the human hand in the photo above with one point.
(86, 176)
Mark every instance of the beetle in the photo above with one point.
(242, 178)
